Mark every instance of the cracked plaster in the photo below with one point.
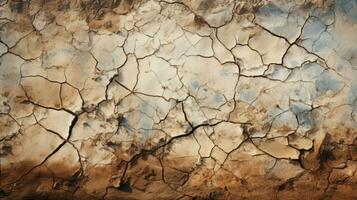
(178, 99)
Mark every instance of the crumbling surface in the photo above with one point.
(186, 99)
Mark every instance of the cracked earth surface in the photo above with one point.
(190, 99)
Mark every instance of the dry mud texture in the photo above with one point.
(191, 99)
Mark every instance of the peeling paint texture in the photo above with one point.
(178, 99)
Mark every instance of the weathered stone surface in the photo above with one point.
(178, 99)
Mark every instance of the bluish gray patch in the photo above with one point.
(303, 113)
(305, 119)
(312, 70)
(247, 95)
(144, 121)
(313, 28)
(327, 16)
(284, 18)
(297, 107)
(270, 10)
(353, 14)
(352, 96)
(279, 72)
(273, 112)
(348, 8)
(218, 98)
(344, 5)
(194, 85)
(325, 82)
(325, 41)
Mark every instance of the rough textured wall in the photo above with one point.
(191, 99)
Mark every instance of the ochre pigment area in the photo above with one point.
(178, 99)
